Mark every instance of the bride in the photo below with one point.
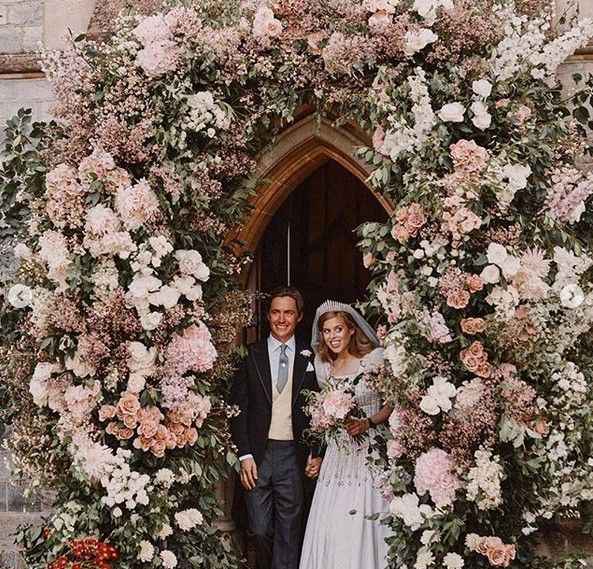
(338, 536)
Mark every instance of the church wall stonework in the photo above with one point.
(21, 25)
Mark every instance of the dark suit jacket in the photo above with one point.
(252, 392)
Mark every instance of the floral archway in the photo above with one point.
(119, 327)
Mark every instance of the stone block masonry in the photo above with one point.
(21, 25)
(35, 94)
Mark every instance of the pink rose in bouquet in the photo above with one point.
(330, 409)
(337, 403)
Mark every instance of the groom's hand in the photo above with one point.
(248, 473)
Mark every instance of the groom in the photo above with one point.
(269, 392)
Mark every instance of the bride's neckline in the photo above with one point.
(331, 367)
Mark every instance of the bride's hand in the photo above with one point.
(356, 427)
(313, 467)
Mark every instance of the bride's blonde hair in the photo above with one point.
(359, 345)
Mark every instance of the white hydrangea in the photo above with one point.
(146, 552)
(169, 559)
(206, 114)
(165, 477)
(123, 485)
(402, 137)
(453, 561)
(484, 481)
(189, 519)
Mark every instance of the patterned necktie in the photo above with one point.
(282, 378)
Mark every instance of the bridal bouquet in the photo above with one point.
(330, 409)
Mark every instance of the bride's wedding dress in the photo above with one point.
(337, 535)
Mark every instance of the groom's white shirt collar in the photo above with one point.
(274, 343)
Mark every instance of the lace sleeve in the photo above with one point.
(321, 371)
(373, 359)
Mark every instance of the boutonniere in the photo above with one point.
(306, 353)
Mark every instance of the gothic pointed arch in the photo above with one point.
(295, 154)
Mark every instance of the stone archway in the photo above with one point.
(298, 152)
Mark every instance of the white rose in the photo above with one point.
(20, 296)
(187, 287)
(141, 286)
(425, 8)
(452, 112)
(481, 118)
(430, 405)
(510, 266)
(146, 551)
(490, 274)
(165, 532)
(482, 88)
(116, 512)
(141, 358)
(496, 253)
(418, 40)
(38, 390)
(166, 297)
(169, 559)
(78, 367)
(150, 320)
(190, 263)
(572, 296)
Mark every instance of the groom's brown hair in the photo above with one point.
(289, 291)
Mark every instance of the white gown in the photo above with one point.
(337, 535)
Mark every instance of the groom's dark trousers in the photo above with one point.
(275, 505)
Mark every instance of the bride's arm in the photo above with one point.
(382, 415)
(358, 426)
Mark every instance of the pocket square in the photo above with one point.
(310, 367)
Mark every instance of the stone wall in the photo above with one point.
(34, 93)
(21, 25)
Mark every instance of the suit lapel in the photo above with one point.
(262, 367)
(298, 372)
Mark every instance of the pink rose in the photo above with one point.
(416, 219)
(498, 554)
(107, 412)
(337, 404)
(473, 326)
(458, 299)
(474, 283)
